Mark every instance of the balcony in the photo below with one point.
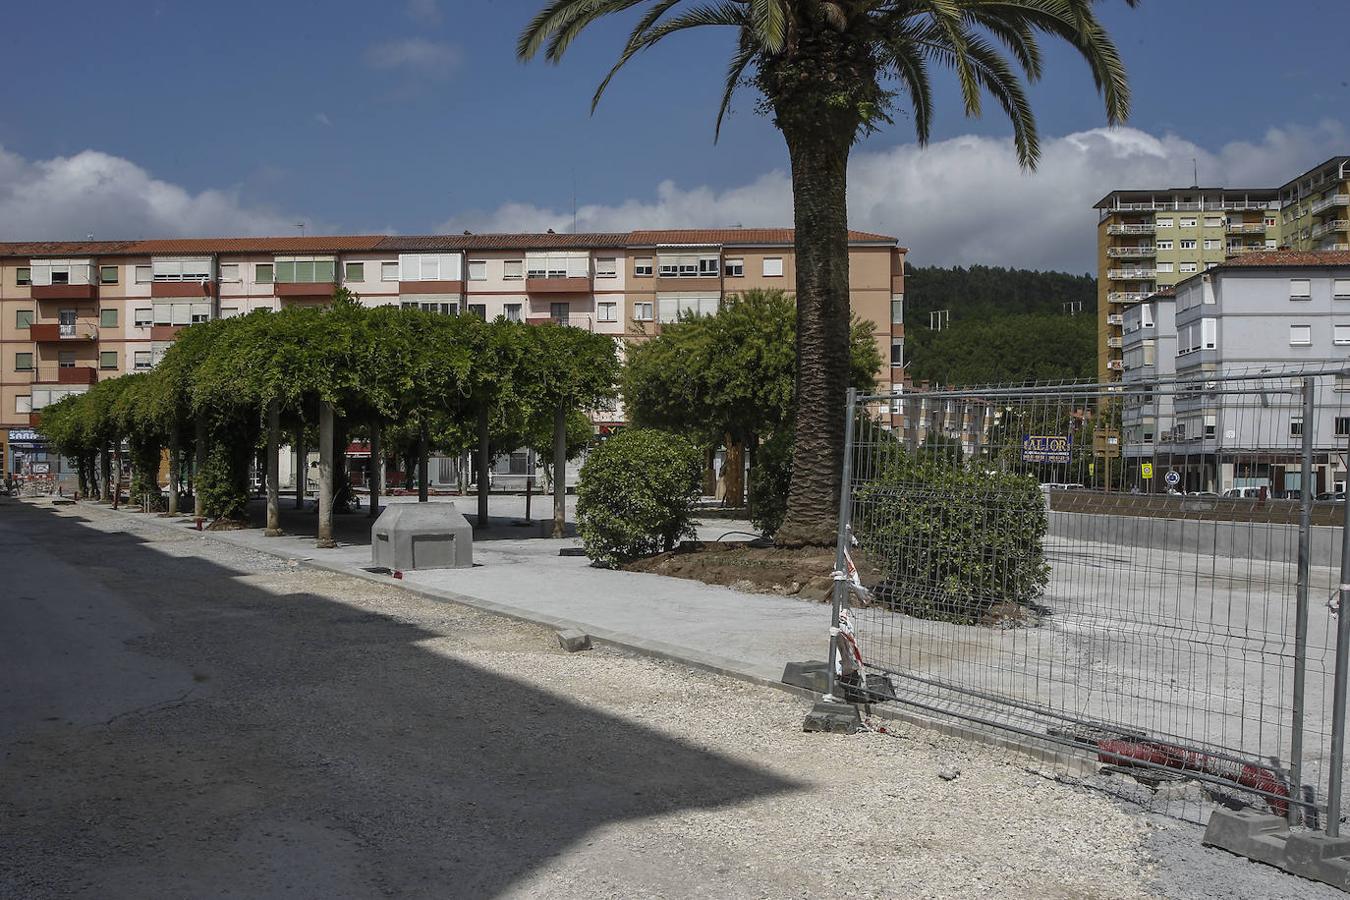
(551, 283)
(1128, 296)
(1115, 319)
(1131, 274)
(65, 291)
(201, 288)
(1132, 252)
(1330, 226)
(66, 375)
(304, 289)
(1130, 229)
(1329, 202)
(585, 323)
(51, 331)
(1115, 343)
(1246, 227)
(165, 332)
(430, 287)
(1116, 365)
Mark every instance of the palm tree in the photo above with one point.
(830, 72)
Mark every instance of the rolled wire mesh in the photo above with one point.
(1034, 579)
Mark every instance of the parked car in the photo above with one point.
(1333, 496)
(1201, 494)
(1060, 486)
(1245, 493)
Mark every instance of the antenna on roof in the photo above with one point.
(1195, 172)
(301, 226)
(574, 201)
(89, 236)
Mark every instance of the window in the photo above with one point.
(182, 269)
(559, 312)
(708, 266)
(479, 310)
(1300, 289)
(23, 404)
(1164, 223)
(478, 270)
(23, 362)
(607, 312)
(262, 273)
(558, 265)
(773, 266)
(1342, 426)
(688, 265)
(107, 359)
(898, 351)
(1186, 267)
(512, 310)
(1164, 267)
(898, 309)
(23, 275)
(229, 272)
(1271, 244)
(642, 312)
(229, 312)
(1188, 223)
(513, 269)
(606, 267)
(1187, 243)
(1213, 244)
(354, 271)
(60, 276)
(1211, 427)
(1296, 427)
(1340, 289)
(144, 274)
(734, 268)
(642, 267)
(1341, 334)
(389, 271)
(107, 274)
(1164, 245)
(143, 317)
(1270, 221)
(675, 306)
(65, 359)
(23, 318)
(1300, 335)
(107, 318)
(141, 359)
(303, 269)
(1209, 334)
(1210, 265)
(1213, 222)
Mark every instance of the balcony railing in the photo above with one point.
(1115, 319)
(1115, 343)
(1131, 274)
(585, 323)
(1246, 227)
(52, 331)
(1132, 252)
(76, 374)
(1330, 226)
(1193, 206)
(1128, 296)
(1116, 365)
(1329, 202)
(1130, 229)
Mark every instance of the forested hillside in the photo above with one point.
(1003, 325)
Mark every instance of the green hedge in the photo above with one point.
(952, 540)
(637, 495)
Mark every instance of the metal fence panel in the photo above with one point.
(1141, 578)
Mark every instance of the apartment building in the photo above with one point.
(1149, 240)
(74, 312)
(1284, 310)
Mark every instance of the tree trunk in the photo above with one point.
(751, 449)
(117, 475)
(484, 461)
(105, 495)
(325, 536)
(301, 466)
(559, 471)
(376, 470)
(198, 464)
(273, 470)
(423, 463)
(175, 469)
(819, 156)
(530, 469)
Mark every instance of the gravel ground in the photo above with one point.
(234, 725)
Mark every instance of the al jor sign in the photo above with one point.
(1046, 448)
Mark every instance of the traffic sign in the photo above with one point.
(1173, 478)
(1146, 470)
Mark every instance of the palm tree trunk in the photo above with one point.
(819, 157)
(273, 470)
(376, 470)
(484, 460)
(560, 470)
(325, 535)
(175, 469)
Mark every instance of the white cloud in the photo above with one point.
(418, 55)
(964, 200)
(68, 197)
(425, 12)
(322, 119)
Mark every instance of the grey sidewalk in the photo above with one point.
(750, 635)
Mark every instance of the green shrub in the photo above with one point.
(769, 481)
(952, 541)
(223, 482)
(637, 495)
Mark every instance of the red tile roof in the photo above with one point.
(744, 237)
(1284, 258)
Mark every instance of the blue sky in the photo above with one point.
(414, 116)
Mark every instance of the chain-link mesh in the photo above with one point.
(1112, 573)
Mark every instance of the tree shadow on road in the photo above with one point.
(318, 749)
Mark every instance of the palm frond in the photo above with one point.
(744, 55)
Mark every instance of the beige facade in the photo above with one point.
(73, 313)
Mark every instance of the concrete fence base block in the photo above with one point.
(809, 674)
(1246, 832)
(1321, 858)
(835, 718)
(573, 640)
